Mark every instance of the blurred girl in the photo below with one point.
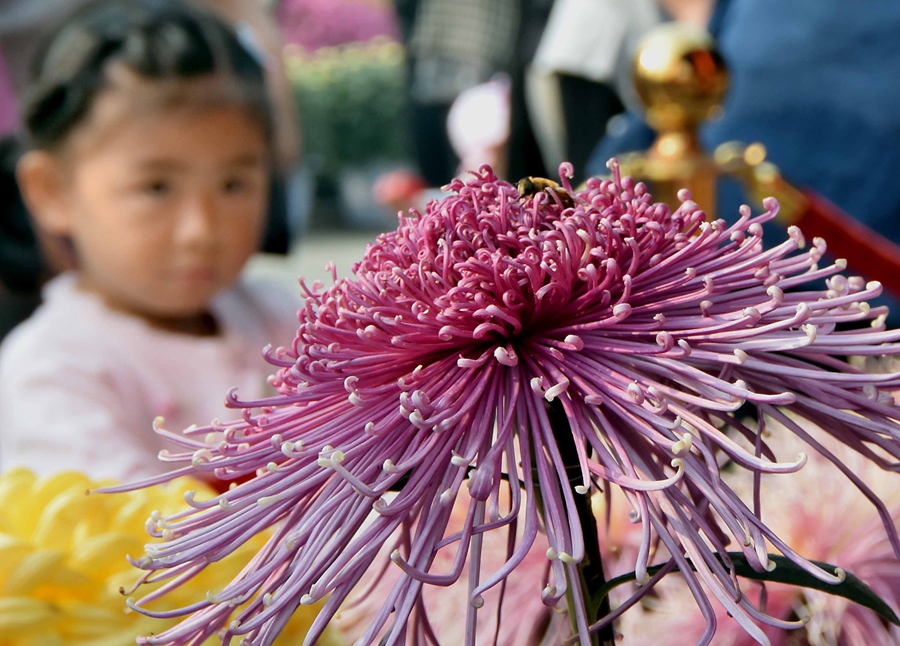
(151, 153)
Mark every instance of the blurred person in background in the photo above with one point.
(564, 61)
(815, 81)
(455, 46)
(29, 256)
(150, 151)
(580, 73)
(519, 84)
(22, 268)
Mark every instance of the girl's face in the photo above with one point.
(164, 206)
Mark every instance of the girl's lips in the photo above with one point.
(197, 275)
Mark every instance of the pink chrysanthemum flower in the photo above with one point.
(530, 343)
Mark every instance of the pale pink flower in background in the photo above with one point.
(671, 609)
(830, 521)
(513, 614)
(670, 616)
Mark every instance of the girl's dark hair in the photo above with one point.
(158, 39)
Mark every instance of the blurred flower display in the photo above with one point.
(346, 67)
(314, 24)
(64, 566)
(351, 101)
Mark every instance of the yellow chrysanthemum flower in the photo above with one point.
(63, 562)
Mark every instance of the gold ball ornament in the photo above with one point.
(681, 79)
(679, 76)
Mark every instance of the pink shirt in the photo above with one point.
(80, 384)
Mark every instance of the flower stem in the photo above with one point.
(591, 568)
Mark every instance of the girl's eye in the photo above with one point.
(157, 189)
(234, 185)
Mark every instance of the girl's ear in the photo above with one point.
(40, 178)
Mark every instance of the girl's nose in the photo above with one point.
(197, 222)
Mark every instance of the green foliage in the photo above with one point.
(352, 104)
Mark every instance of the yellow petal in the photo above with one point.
(16, 507)
(21, 615)
(104, 555)
(41, 568)
(12, 551)
(90, 621)
(64, 511)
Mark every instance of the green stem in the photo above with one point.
(591, 568)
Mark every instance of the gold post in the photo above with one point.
(681, 79)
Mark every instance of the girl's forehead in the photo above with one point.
(130, 98)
